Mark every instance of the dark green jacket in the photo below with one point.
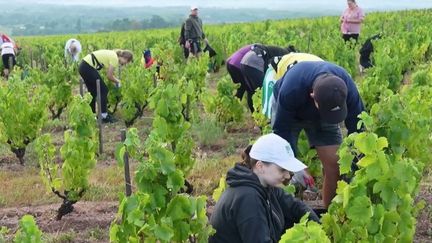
(193, 28)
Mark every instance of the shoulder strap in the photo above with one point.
(274, 62)
(291, 65)
(96, 62)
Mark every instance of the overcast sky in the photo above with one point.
(270, 4)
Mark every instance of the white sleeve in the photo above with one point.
(66, 50)
(77, 55)
(78, 44)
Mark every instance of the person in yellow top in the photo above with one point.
(282, 64)
(89, 71)
(291, 59)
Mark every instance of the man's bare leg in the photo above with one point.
(329, 160)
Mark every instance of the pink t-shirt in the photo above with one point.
(355, 14)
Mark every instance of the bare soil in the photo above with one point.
(85, 217)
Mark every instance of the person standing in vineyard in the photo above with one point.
(8, 51)
(72, 50)
(254, 65)
(193, 32)
(89, 71)
(254, 208)
(351, 21)
(316, 97)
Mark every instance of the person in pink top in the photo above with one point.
(351, 21)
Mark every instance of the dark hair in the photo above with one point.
(249, 162)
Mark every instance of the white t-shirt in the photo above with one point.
(7, 48)
(68, 54)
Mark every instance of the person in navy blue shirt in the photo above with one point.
(317, 97)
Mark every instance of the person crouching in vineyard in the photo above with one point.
(8, 51)
(89, 71)
(254, 65)
(233, 67)
(316, 97)
(254, 208)
(72, 50)
(366, 51)
(147, 60)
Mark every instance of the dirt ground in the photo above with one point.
(87, 216)
(424, 219)
(90, 221)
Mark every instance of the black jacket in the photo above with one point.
(181, 39)
(269, 52)
(249, 212)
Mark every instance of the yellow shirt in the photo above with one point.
(290, 59)
(105, 57)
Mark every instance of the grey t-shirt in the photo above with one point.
(252, 60)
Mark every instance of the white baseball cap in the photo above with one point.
(274, 149)
(193, 7)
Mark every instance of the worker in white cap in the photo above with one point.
(254, 208)
(72, 50)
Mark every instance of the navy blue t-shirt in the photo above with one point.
(294, 103)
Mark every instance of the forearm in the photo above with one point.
(112, 78)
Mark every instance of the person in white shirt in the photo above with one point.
(72, 50)
(8, 52)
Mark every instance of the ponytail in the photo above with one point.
(248, 162)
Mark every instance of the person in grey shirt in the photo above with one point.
(254, 65)
(193, 32)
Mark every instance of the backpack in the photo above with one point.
(181, 40)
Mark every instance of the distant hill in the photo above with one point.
(43, 17)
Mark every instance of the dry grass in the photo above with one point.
(206, 174)
(25, 187)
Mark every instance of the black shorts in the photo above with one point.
(318, 133)
(5, 59)
(348, 37)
